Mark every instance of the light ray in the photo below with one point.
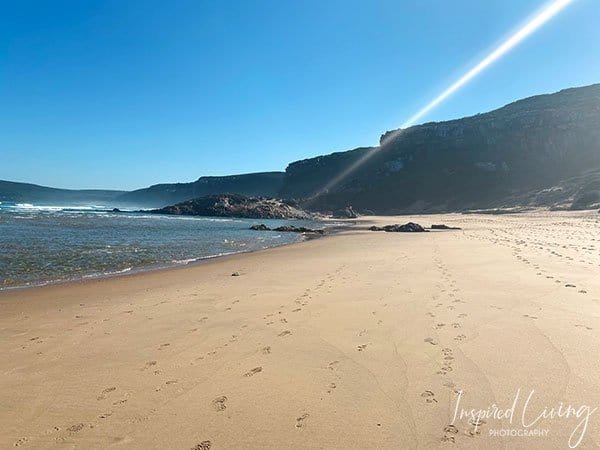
(530, 27)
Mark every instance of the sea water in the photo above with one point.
(43, 244)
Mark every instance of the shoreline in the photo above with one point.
(158, 267)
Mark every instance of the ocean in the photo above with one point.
(46, 244)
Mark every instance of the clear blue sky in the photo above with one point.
(124, 94)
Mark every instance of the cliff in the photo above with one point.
(501, 158)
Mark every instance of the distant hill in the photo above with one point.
(264, 184)
(32, 193)
(543, 150)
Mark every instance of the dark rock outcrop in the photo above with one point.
(233, 205)
(409, 227)
(285, 229)
(261, 227)
(294, 229)
(443, 227)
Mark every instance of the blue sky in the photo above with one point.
(124, 94)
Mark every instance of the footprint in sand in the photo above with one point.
(430, 341)
(570, 285)
(163, 346)
(102, 396)
(440, 325)
(333, 365)
(331, 387)
(449, 433)
(52, 430)
(460, 337)
(449, 385)
(456, 325)
(445, 369)
(529, 317)
(76, 428)
(584, 326)
(266, 350)
(429, 397)
(253, 372)
(204, 445)
(360, 348)
(219, 403)
(301, 421)
(21, 441)
(284, 333)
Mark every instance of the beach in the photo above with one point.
(359, 340)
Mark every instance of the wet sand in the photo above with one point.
(357, 340)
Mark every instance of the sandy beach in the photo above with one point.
(357, 340)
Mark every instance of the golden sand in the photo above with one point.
(358, 340)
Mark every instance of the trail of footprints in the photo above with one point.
(111, 394)
(566, 240)
(445, 304)
(547, 241)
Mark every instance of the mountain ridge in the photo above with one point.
(15, 191)
(543, 150)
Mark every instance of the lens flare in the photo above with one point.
(515, 39)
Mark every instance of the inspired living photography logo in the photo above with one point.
(525, 420)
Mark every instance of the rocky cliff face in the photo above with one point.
(488, 160)
(265, 184)
(232, 205)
